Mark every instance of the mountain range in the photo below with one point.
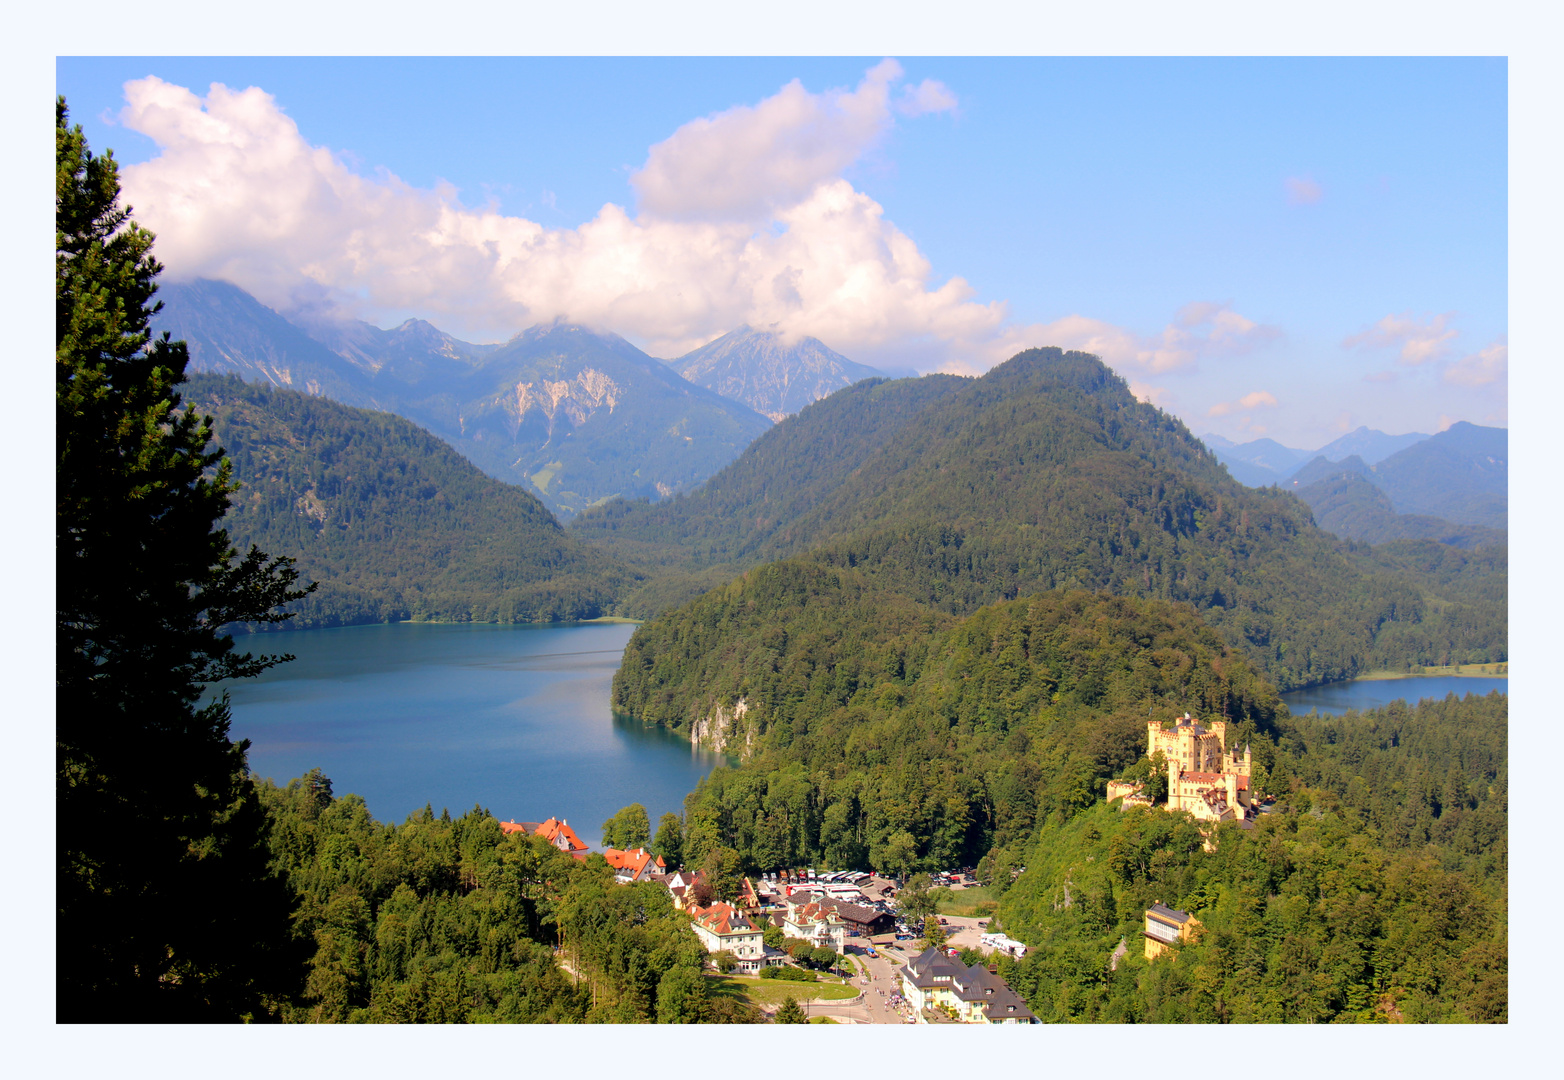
(1266, 461)
(1453, 484)
(576, 415)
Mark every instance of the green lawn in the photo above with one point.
(772, 991)
(977, 901)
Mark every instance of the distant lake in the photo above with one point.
(515, 718)
(1337, 698)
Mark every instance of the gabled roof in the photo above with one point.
(635, 862)
(559, 833)
(722, 918)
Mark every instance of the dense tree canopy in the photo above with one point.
(166, 907)
(451, 920)
(393, 522)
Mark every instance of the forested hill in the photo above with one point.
(392, 522)
(881, 734)
(782, 475)
(1046, 473)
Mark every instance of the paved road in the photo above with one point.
(875, 1006)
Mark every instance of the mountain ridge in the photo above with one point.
(772, 375)
(576, 415)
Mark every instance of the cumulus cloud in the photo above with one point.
(1259, 399)
(741, 217)
(236, 192)
(1481, 368)
(1203, 329)
(746, 162)
(1418, 342)
(1303, 191)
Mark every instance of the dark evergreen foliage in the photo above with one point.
(443, 920)
(1046, 473)
(390, 520)
(166, 909)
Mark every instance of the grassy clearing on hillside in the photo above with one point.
(1499, 670)
(772, 991)
(976, 901)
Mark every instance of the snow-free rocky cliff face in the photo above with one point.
(771, 375)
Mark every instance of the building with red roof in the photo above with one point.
(723, 927)
(556, 831)
(635, 865)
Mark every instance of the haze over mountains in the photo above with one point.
(771, 375)
(575, 415)
(1452, 487)
(1266, 461)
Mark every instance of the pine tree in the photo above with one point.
(166, 907)
(790, 1013)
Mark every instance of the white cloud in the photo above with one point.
(1303, 191)
(1419, 342)
(1258, 399)
(929, 96)
(1198, 330)
(748, 161)
(1152, 395)
(742, 218)
(236, 192)
(1489, 365)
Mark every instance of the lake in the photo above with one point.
(1337, 698)
(515, 718)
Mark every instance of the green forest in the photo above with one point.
(442, 920)
(1375, 891)
(392, 522)
(1046, 473)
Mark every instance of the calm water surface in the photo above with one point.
(515, 718)
(1337, 698)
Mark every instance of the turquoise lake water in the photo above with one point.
(1337, 698)
(514, 718)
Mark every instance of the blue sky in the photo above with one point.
(1287, 247)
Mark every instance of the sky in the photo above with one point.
(1282, 248)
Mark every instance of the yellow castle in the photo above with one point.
(1205, 778)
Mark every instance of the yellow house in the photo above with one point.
(1166, 927)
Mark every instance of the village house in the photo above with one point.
(679, 885)
(555, 830)
(858, 920)
(976, 995)
(813, 921)
(722, 927)
(636, 865)
(1166, 927)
